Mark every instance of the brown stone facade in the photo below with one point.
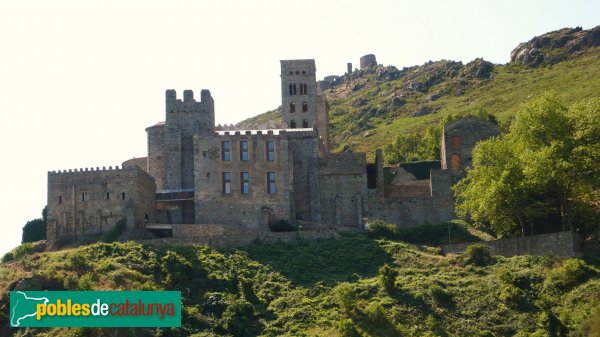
(89, 201)
(195, 175)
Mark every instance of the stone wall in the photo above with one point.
(297, 73)
(90, 201)
(343, 182)
(256, 208)
(562, 244)
(141, 162)
(304, 154)
(234, 236)
(368, 61)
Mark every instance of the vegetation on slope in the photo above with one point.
(371, 107)
(353, 286)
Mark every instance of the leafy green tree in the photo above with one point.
(35, 230)
(547, 161)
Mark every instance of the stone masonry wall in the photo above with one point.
(562, 244)
(460, 137)
(83, 202)
(256, 208)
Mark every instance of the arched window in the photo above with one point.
(292, 107)
(455, 162)
(304, 107)
(293, 124)
(305, 123)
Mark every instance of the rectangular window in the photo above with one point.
(244, 150)
(84, 196)
(227, 182)
(304, 107)
(225, 150)
(270, 150)
(122, 195)
(107, 195)
(245, 179)
(60, 199)
(271, 182)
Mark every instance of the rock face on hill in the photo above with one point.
(556, 46)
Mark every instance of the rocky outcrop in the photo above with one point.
(556, 46)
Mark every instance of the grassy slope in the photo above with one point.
(323, 288)
(510, 86)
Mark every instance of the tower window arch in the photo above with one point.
(304, 107)
(305, 123)
(293, 124)
(292, 107)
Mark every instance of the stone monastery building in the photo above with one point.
(197, 174)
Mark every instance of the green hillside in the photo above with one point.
(372, 106)
(353, 286)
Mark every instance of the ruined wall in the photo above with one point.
(256, 208)
(368, 61)
(343, 182)
(323, 125)
(459, 139)
(562, 244)
(89, 201)
(436, 208)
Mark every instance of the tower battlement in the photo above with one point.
(189, 103)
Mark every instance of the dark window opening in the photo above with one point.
(303, 89)
(297, 72)
(293, 124)
(303, 72)
(305, 123)
(304, 107)
(83, 196)
(207, 174)
(225, 150)
(291, 73)
(292, 107)
(60, 199)
(244, 150)
(227, 182)
(270, 150)
(245, 179)
(145, 218)
(271, 182)
(371, 176)
(293, 89)
(107, 196)
(204, 154)
(123, 195)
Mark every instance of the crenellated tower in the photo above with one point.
(171, 148)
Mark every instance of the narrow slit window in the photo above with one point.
(304, 107)
(245, 180)
(225, 149)
(84, 196)
(244, 150)
(303, 89)
(227, 182)
(107, 196)
(271, 182)
(60, 199)
(293, 89)
(123, 195)
(270, 150)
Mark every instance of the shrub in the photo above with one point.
(282, 226)
(34, 230)
(347, 328)
(378, 228)
(176, 268)
(571, 273)
(512, 296)
(478, 255)
(8, 257)
(387, 278)
(79, 263)
(440, 295)
(346, 298)
(86, 282)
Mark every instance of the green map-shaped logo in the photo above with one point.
(23, 307)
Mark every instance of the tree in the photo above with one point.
(547, 160)
(35, 230)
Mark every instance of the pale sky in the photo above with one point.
(81, 80)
